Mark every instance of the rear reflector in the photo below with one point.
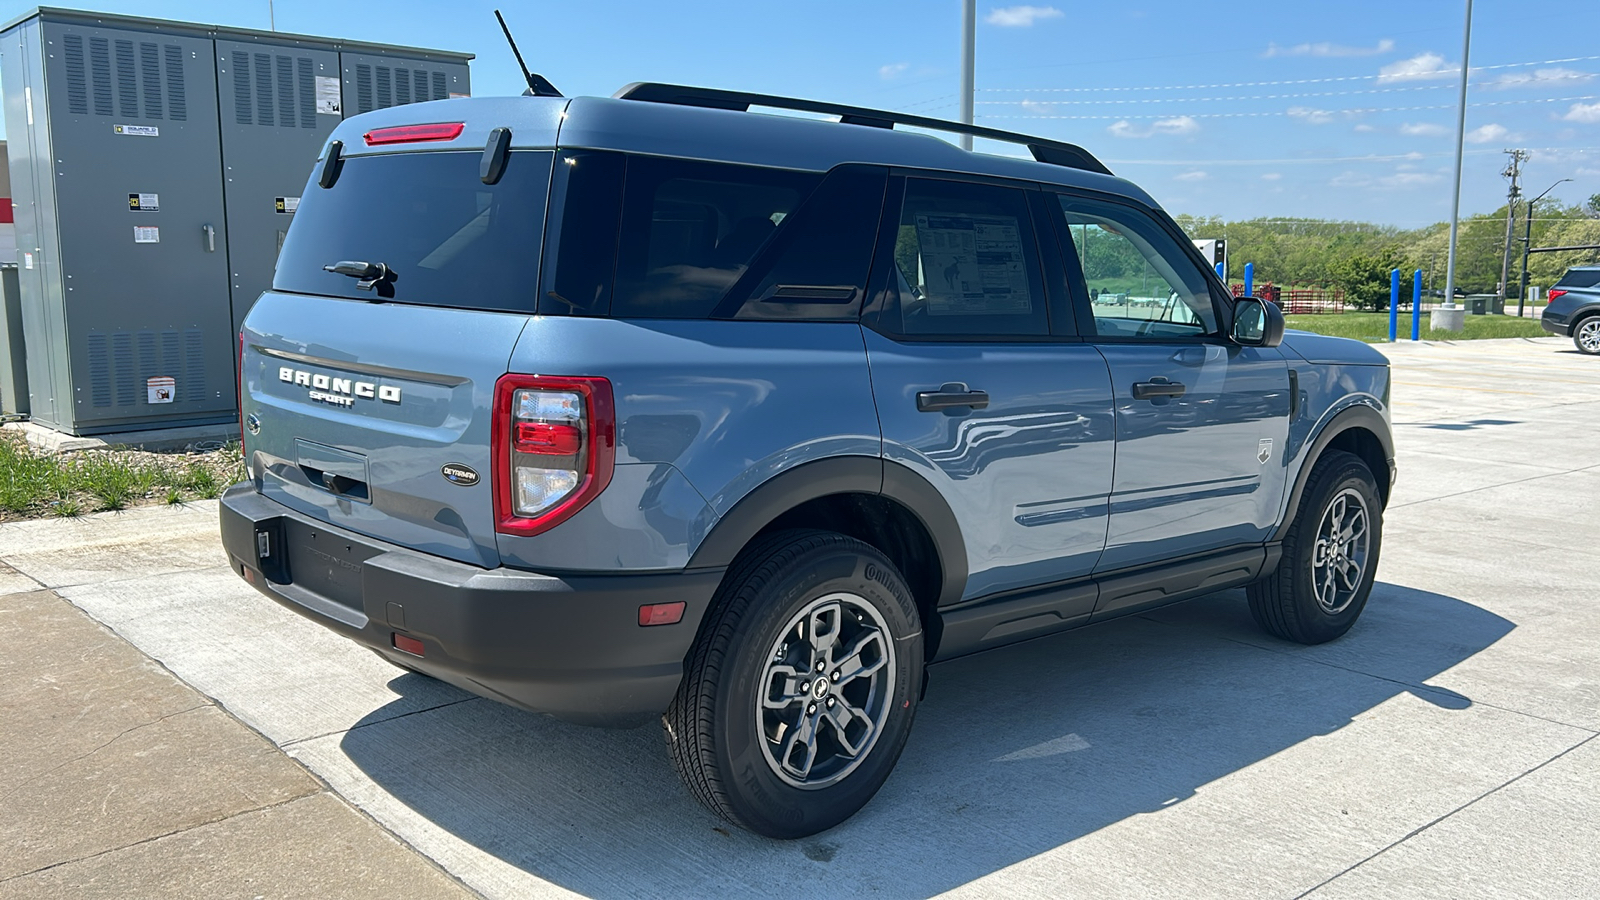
(548, 439)
(662, 613)
(408, 644)
(410, 134)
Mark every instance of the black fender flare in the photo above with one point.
(841, 475)
(1359, 416)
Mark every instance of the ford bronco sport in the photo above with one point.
(652, 407)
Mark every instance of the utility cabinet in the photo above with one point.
(155, 169)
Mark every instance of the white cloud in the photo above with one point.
(1173, 126)
(1409, 179)
(1423, 129)
(1587, 113)
(1349, 179)
(1272, 176)
(1363, 128)
(1537, 78)
(892, 70)
(1021, 16)
(1196, 175)
(1422, 67)
(1488, 134)
(1310, 115)
(1324, 48)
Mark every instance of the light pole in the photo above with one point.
(1461, 133)
(1527, 243)
(969, 41)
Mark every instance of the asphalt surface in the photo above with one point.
(1445, 747)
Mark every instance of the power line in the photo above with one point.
(1312, 112)
(1582, 76)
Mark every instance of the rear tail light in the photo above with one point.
(1553, 293)
(554, 447)
(410, 134)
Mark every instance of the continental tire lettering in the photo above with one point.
(887, 580)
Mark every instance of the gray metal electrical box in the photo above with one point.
(155, 168)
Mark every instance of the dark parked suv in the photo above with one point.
(1574, 308)
(652, 407)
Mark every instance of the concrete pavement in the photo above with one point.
(1445, 747)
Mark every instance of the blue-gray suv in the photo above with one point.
(653, 407)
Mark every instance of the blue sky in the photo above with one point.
(1242, 109)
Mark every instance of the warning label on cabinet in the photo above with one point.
(328, 98)
(286, 205)
(146, 234)
(144, 202)
(137, 130)
(160, 389)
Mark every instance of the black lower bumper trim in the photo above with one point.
(568, 645)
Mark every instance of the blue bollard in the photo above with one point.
(1394, 303)
(1416, 304)
(1220, 275)
(1249, 279)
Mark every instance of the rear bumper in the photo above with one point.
(1556, 324)
(566, 645)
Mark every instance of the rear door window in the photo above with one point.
(1579, 278)
(448, 238)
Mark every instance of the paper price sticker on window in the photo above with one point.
(160, 389)
(146, 234)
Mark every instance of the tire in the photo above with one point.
(1311, 597)
(1586, 335)
(741, 749)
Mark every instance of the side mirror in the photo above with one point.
(1257, 323)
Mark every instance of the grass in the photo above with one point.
(33, 484)
(1374, 327)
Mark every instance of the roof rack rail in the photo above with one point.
(1056, 153)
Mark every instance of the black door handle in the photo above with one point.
(1157, 387)
(952, 395)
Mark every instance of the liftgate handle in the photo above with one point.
(211, 238)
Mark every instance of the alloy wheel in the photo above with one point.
(1339, 560)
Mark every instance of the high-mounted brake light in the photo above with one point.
(554, 442)
(410, 134)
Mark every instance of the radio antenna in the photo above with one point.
(538, 85)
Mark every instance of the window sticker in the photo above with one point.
(973, 264)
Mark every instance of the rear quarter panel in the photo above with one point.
(706, 412)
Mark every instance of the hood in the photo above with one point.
(1321, 348)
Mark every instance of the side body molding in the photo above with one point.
(841, 475)
(1359, 416)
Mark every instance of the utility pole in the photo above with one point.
(1512, 171)
(1461, 137)
(969, 55)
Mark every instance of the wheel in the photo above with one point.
(1587, 336)
(1330, 555)
(801, 689)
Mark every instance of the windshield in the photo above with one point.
(447, 238)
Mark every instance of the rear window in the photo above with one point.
(449, 239)
(1579, 278)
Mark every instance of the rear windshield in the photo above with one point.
(1579, 278)
(448, 238)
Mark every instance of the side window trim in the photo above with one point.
(880, 307)
(1080, 285)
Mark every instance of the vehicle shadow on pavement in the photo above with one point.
(1014, 752)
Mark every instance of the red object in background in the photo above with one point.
(6, 214)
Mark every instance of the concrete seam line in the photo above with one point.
(119, 736)
(157, 837)
(1490, 487)
(1416, 831)
(297, 741)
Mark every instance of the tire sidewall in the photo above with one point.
(1317, 624)
(758, 795)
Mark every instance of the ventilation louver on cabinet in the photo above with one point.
(122, 363)
(136, 87)
(273, 90)
(380, 87)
